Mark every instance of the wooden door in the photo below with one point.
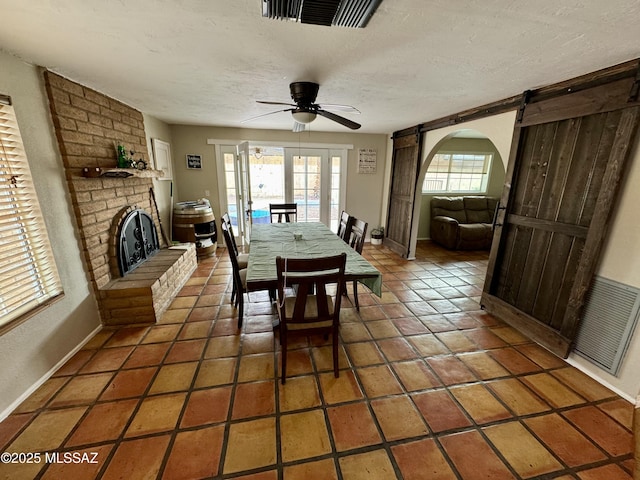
(405, 168)
(566, 163)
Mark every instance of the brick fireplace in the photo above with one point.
(88, 127)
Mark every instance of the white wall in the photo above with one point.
(30, 352)
(364, 191)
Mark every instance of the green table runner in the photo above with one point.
(273, 239)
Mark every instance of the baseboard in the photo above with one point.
(600, 380)
(7, 411)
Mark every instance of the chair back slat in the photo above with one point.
(226, 220)
(344, 227)
(283, 211)
(233, 256)
(357, 234)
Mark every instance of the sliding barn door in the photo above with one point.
(567, 160)
(405, 168)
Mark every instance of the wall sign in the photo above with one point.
(367, 160)
(194, 161)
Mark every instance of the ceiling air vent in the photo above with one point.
(341, 13)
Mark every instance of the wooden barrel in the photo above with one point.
(196, 225)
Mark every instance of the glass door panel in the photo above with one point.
(267, 180)
(306, 186)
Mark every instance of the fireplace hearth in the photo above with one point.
(137, 241)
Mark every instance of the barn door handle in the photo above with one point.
(495, 216)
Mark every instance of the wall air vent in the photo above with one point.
(609, 318)
(340, 13)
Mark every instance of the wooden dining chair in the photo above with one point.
(356, 241)
(286, 211)
(344, 227)
(243, 258)
(311, 310)
(239, 275)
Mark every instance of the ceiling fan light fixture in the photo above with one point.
(302, 116)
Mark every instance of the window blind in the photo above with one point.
(28, 274)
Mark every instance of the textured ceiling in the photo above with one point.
(205, 62)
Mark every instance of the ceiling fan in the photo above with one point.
(305, 110)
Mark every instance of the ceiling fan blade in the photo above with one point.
(275, 103)
(339, 108)
(298, 127)
(265, 114)
(341, 120)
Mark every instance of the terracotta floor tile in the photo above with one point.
(126, 336)
(443, 306)
(415, 375)
(378, 381)
(216, 372)
(451, 370)
(602, 429)
(298, 362)
(382, 329)
(254, 400)
(606, 472)
(323, 358)
(342, 389)
(621, 410)
(107, 360)
(174, 316)
(80, 471)
(299, 393)
(480, 404)
(473, 457)
(41, 396)
(201, 314)
(422, 460)
(256, 367)
(99, 339)
(421, 307)
(364, 354)
(354, 332)
(485, 367)
(541, 356)
(209, 300)
(18, 471)
(47, 431)
(206, 406)
(352, 426)
(104, 422)
(193, 330)
(129, 383)
(318, 470)
(428, 345)
(162, 333)
(514, 361)
(146, 355)
(140, 458)
(410, 326)
(397, 349)
(81, 390)
(185, 351)
(190, 290)
(183, 302)
(374, 465)
(156, 414)
(440, 411)
(75, 363)
(520, 399)
(373, 312)
(257, 343)
(174, 378)
(523, 451)
(456, 341)
(552, 390)
(304, 435)
(564, 440)
(583, 384)
(219, 347)
(255, 436)
(398, 418)
(484, 338)
(11, 425)
(195, 454)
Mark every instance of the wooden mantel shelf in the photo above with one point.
(97, 172)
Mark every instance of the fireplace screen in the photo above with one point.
(137, 241)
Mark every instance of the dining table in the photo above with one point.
(302, 240)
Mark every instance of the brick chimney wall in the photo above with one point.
(89, 126)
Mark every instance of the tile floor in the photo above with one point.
(430, 387)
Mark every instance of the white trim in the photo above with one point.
(337, 146)
(600, 380)
(16, 403)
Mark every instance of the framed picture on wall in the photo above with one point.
(194, 161)
(162, 158)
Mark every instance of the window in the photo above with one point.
(458, 173)
(28, 275)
